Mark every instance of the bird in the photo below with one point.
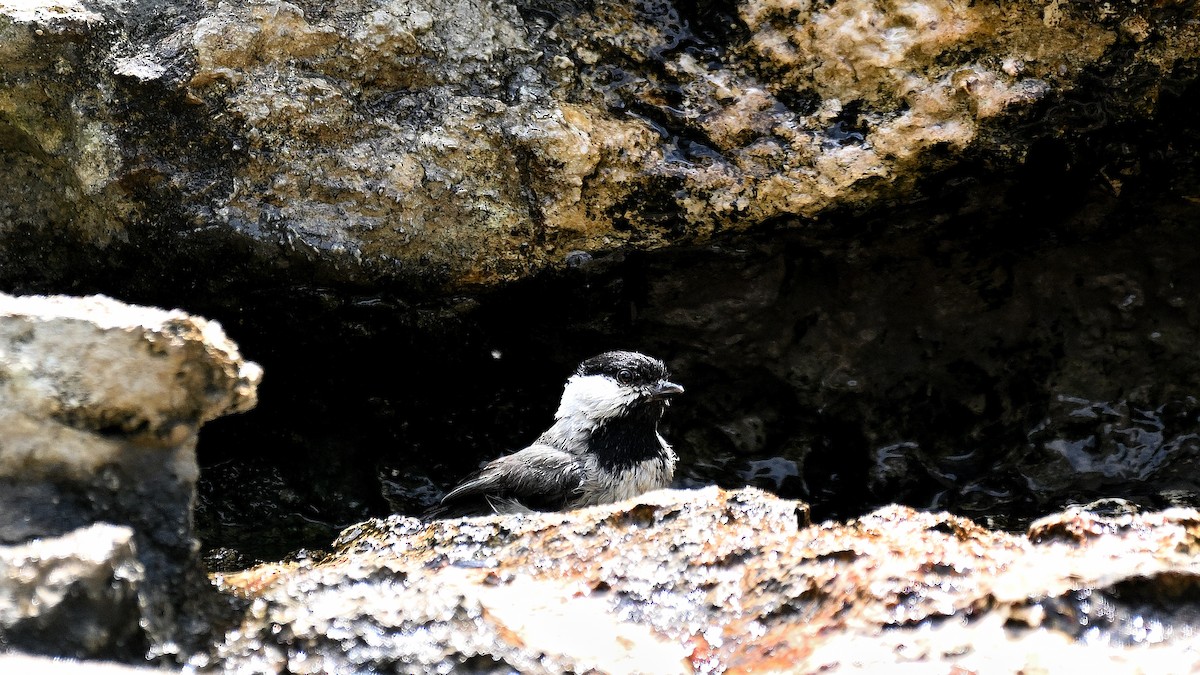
(604, 445)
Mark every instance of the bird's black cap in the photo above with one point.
(644, 369)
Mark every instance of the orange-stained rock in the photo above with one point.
(710, 580)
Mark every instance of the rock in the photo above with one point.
(951, 242)
(100, 404)
(19, 663)
(460, 144)
(710, 580)
(921, 173)
(74, 595)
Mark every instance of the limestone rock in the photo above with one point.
(100, 404)
(708, 580)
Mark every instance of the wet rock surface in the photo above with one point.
(682, 581)
(100, 405)
(673, 581)
(75, 595)
(454, 144)
(935, 253)
(991, 379)
(23, 663)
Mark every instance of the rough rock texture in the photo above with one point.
(74, 595)
(968, 286)
(100, 404)
(460, 143)
(710, 581)
(937, 252)
(20, 663)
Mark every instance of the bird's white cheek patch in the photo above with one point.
(594, 397)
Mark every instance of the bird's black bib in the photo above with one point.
(626, 441)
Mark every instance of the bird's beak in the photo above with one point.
(664, 390)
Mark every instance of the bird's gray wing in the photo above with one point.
(539, 477)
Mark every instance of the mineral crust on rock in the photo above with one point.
(74, 595)
(464, 143)
(100, 404)
(710, 581)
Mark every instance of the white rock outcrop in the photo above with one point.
(100, 405)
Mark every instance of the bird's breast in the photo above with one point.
(602, 484)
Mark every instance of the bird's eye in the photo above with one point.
(625, 376)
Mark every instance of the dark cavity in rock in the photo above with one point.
(1010, 343)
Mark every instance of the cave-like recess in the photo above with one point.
(1016, 335)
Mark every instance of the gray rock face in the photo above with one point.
(100, 403)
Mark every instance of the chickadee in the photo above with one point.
(604, 445)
